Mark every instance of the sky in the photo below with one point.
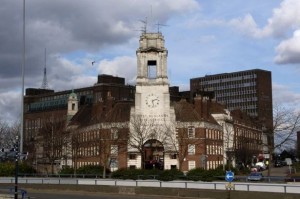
(202, 38)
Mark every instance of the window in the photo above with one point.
(151, 69)
(191, 132)
(173, 156)
(192, 165)
(191, 149)
(132, 156)
(114, 149)
(114, 133)
(73, 106)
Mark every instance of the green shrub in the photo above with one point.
(67, 171)
(8, 169)
(26, 169)
(135, 174)
(199, 174)
(169, 175)
(91, 169)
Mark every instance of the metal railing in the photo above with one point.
(239, 186)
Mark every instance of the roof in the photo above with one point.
(186, 112)
(120, 112)
(91, 114)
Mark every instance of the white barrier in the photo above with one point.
(258, 187)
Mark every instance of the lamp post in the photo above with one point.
(16, 148)
(22, 91)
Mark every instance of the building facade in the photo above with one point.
(120, 126)
(249, 91)
(47, 114)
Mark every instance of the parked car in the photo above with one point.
(283, 163)
(255, 176)
(278, 163)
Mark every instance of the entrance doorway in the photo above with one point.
(153, 155)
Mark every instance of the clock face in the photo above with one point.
(152, 101)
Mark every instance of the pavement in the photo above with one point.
(278, 171)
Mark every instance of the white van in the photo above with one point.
(261, 166)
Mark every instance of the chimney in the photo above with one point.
(109, 101)
(205, 105)
(97, 109)
(198, 105)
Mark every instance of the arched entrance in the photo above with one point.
(153, 154)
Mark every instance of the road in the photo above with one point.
(278, 171)
(86, 195)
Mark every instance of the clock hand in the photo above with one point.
(153, 102)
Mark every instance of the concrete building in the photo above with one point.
(249, 91)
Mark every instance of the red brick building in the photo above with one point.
(120, 126)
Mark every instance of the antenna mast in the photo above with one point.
(45, 82)
(144, 28)
(159, 25)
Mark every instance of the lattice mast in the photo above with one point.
(45, 82)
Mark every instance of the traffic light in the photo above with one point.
(23, 156)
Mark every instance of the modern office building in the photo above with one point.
(249, 91)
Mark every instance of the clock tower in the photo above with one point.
(152, 118)
(152, 96)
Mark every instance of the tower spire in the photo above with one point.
(45, 82)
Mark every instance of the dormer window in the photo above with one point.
(73, 106)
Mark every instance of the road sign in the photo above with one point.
(229, 186)
(229, 176)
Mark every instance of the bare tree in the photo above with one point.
(243, 153)
(76, 148)
(228, 142)
(53, 138)
(181, 140)
(8, 133)
(110, 141)
(286, 123)
(102, 142)
(141, 131)
(145, 129)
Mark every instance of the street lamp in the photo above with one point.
(16, 148)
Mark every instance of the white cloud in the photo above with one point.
(124, 66)
(288, 51)
(246, 25)
(10, 103)
(283, 95)
(284, 19)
